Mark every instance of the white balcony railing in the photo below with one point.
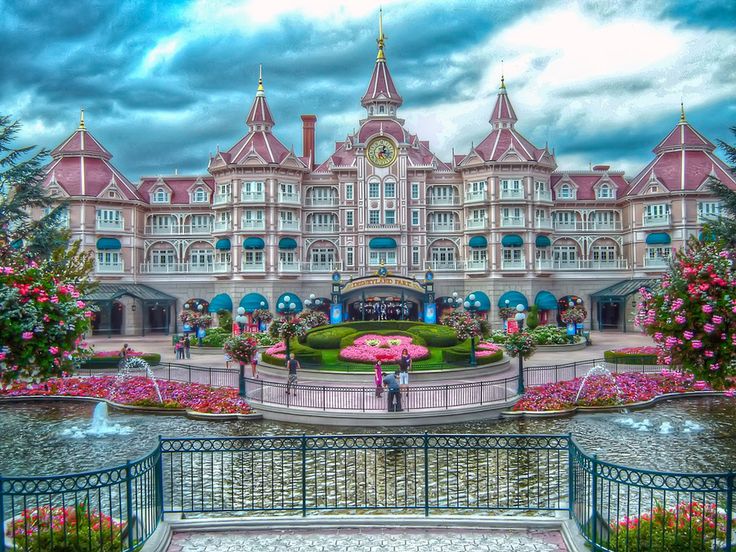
(704, 217)
(603, 226)
(252, 224)
(289, 266)
(161, 230)
(222, 226)
(220, 266)
(221, 199)
(289, 224)
(439, 201)
(477, 195)
(108, 268)
(512, 222)
(108, 224)
(321, 267)
(252, 197)
(512, 193)
(567, 226)
(476, 265)
(289, 197)
(322, 202)
(475, 224)
(174, 229)
(444, 227)
(543, 222)
(253, 266)
(542, 196)
(322, 228)
(657, 220)
(513, 264)
(444, 266)
(656, 262)
(581, 264)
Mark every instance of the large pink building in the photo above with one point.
(501, 221)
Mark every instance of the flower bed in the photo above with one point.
(138, 391)
(371, 347)
(277, 351)
(600, 391)
(487, 349)
(633, 355)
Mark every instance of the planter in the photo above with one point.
(10, 541)
(577, 346)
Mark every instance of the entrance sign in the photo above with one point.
(571, 330)
(375, 281)
(336, 313)
(430, 313)
(512, 326)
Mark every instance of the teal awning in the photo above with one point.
(545, 301)
(512, 240)
(478, 241)
(253, 301)
(108, 243)
(254, 243)
(485, 302)
(293, 299)
(223, 244)
(542, 241)
(221, 302)
(287, 243)
(514, 298)
(659, 238)
(382, 243)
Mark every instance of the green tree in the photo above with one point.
(724, 228)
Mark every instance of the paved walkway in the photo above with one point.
(371, 539)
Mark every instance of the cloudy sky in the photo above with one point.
(165, 83)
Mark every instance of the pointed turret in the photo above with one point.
(259, 116)
(81, 142)
(381, 99)
(503, 114)
(684, 137)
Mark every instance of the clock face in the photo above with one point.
(381, 152)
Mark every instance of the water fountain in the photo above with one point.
(598, 371)
(664, 427)
(99, 427)
(130, 368)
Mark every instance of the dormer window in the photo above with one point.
(380, 109)
(605, 192)
(199, 196)
(654, 189)
(566, 192)
(160, 195)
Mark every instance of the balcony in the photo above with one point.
(475, 224)
(290, 197)
(512, 193)
(543, 222)
(657, 220)
(443, 201)
(110, 224)
(603, 225)
(221, 199)
(290, 225)
(322, 202)
(480, 265)
(161, 230)
(512, 222)
(705, 217)
(385, 227)
(657, 262)
(581, 264)
(444, 227)
(567, 226)
(289, 266)
(329, 228)
(543, 196)
(321, 266)
(178, 230)
(477, 195)
(253, 266)
(252, 224)
(445, 266)
(220, 266)
(109, 268)
(222, 226)
(513, 264)
(253, 197)
(177, 268)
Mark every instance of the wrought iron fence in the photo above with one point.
(539, 375)
(616, 508)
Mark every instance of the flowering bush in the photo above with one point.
(265, 339)
(195, 318)
(43, 321)
(139, 391)
(286, 329)
(683, 527)
(369, 348)
(312, 319)
(692, 314)
(262, 315)
(506, 312)
(603, 391)
(647, 350)
(549, 335)
(498, 336)
(66, 528)
(486, 349)
(241, 347)
(520, 344)
(575, 315)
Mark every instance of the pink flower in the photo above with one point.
(680, 319)
(707, 308)
(27, 335)
(53, 350)
(54, 299)
(709, 328)
(687, 334)
(717, 319)
(697, 344)
(81, 304)
(709, 353)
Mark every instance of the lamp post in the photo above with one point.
(287, 308)
(454, 301)
(472, 305)
(241, 320)
(520, 317)
(312, 302)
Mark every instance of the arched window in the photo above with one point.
(380, 109)
(605, 192)
(565, 191)
(160, 196)
(200, 195)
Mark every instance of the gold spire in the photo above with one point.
(682, 112)
(81, 119)
(261, 90)
(503, 85)
(381, 38)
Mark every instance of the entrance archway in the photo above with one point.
(383, 297)
(116, 318)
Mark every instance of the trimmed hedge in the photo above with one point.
(460, 354)
(350, 339)
(215, 337)
(374, 325)
(435, 336)
(628, 358)
(108, 362)
(327, 337)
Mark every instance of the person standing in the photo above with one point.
(404, 367)
(123, 355)
(292, 365)
(254, 364)
(178, 346)
(378, 378)
(391, 381)
(187, 347)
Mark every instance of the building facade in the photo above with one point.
(265, 222)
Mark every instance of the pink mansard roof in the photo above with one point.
(586, 182)
(180, 187)
(503, 111)
(381, 86)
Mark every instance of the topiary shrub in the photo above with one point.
(532, 319)
(460, 354)
(225, 320)
(435, 336)
(373, 325)
(349, 339)
(327, 337)
(305, 354)
(646, 356)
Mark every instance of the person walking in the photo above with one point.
(187, 347)
(254, 364)
(404, 367)
(391, 381)
(178, 349)
(228, 360)
(123, 355)
(292, 365)
(378, 378)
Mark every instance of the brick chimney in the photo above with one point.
(308, 124)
